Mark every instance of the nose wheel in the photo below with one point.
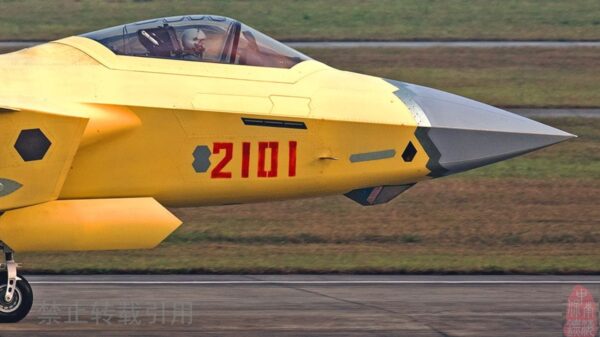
(16, 296)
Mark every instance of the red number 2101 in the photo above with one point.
(265, 150)
(218, 172)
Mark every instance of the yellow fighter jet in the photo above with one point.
(101, 132)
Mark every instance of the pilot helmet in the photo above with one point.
(190, 36)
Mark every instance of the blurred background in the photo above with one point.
(539, 213)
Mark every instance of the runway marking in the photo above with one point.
(366, 282)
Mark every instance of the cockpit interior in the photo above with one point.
(200, 38)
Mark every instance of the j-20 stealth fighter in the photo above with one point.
(101, 132)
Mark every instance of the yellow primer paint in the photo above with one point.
(42, 180)
(98, 224)
(128, 127)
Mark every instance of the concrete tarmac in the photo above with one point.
(299, 305)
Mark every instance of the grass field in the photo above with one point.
(535, 214)
(498, 76)
(321, 19)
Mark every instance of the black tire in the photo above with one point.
(21, 303)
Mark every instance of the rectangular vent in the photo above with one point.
(274, 123)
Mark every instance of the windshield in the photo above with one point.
(201, 38)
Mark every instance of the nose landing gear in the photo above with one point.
(16, 296)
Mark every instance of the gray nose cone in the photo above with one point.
(460, 134)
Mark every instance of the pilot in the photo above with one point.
(192, 42)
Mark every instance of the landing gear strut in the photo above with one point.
(16, 296)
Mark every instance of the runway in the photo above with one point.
(299, 305)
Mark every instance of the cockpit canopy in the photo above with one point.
(204, 38)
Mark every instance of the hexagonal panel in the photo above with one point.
(201, 159)
(409, 152)
(32, 144)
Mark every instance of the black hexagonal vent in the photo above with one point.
(32, 144)
(409, 153)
